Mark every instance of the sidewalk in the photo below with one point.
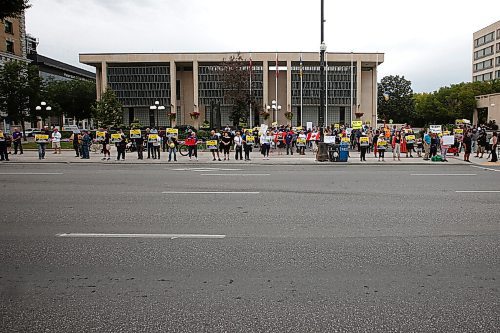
(68, 156)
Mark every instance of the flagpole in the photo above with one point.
(376, 94)
(276, 79)
(250, 111)
(301, 96)
(326, 90)
(352, 83)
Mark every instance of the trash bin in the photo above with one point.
(322, 154)
(343, 152)
(333, 152)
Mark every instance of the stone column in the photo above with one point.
(104, 76)
(195, 93)
(288, 106)
(265, 86)
(359, 107)
(173, 92)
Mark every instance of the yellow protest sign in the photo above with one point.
(100, 136)
(173, 131)
(250, 139)
(301, 142)
(364, 141)
(135, 134)
(152, 138)
(381, 143)
(41, 138)
(212, 144)
(458, 131)
(345, 139)
(446, 133)
(410, 138)
(336, 126)
(356, 124)
(299, 128)
(1, 135)
(115, 138)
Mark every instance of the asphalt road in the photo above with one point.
(310, 249)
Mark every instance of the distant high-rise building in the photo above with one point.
(31, 44)
(486, 53)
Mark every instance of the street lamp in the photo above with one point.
(157, 107)
(276, 107)
(42, 106)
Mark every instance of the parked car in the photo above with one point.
(30, 132)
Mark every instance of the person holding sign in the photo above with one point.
(4, 156)
(42, 139)
(213, 145)
(410, 143)
(56, 141)
(105, 137)
(248, 142)
(364, 142)
(381, 146)
(301, 143)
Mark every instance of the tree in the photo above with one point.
(12, 8)
(73, 98)
(235, 85)
(108, 110)
(395, 99)
(20, 87)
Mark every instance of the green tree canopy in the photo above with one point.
(73, 98)
(108, 110)
(12, 8)
(395, 99)
(236, 83)
(20, 87)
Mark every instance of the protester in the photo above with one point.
(396, 146)
(86, 142)
(427, 146)
(226, 145)
(265, 143)
(192, 144)
(139, 145)
(16, 138)
(75, 139)
(56, 141)
(494, 144)
(381, 146)
(434, 145)
(444, 150)
(214, 137)
(467, 142)
(156, 147)
(247, 146)
(481, 143)
(289, 142)
(105, 145)
(172, 148)
(4, 156)
(121, 147)
(238, 146)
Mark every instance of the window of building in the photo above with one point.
(483, 65)
(497, 75)
(498, 47)
(9, 29)
(483, 52)
(10, 46)
(498, 61)
(484, 39)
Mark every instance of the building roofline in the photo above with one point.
(49, 62)
(228, 52)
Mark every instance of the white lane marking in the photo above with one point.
(211, 192)
(171, 236)
(31, 173)
(443, 174)
(477, 191)
(487, 169)
(235, 174)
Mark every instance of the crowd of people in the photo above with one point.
(399, 140)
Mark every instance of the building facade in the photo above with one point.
(192, 82)
(12, 39)
(486, 53)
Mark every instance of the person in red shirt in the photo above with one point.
(192, 144)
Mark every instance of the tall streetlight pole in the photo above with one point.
(157, 107)
(40, 107)
(321, 118)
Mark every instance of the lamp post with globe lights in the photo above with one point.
(157, 107)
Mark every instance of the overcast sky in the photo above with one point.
(427, 41)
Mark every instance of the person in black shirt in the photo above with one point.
(139, 142)
(214, 137)
(226, 144)
(467, 142)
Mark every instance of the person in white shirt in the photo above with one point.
(265, 142)
(238, 146)
(56, 141)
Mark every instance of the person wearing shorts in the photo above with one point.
(56, 141)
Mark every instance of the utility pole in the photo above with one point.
(321, 116)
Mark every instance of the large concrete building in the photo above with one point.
(486, 53)
(191, 82)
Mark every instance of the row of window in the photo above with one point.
(483, 65)
(483, 77)
(331, 101)
(138, 70)
(483, 52)
(488, 38)
(139, 78)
